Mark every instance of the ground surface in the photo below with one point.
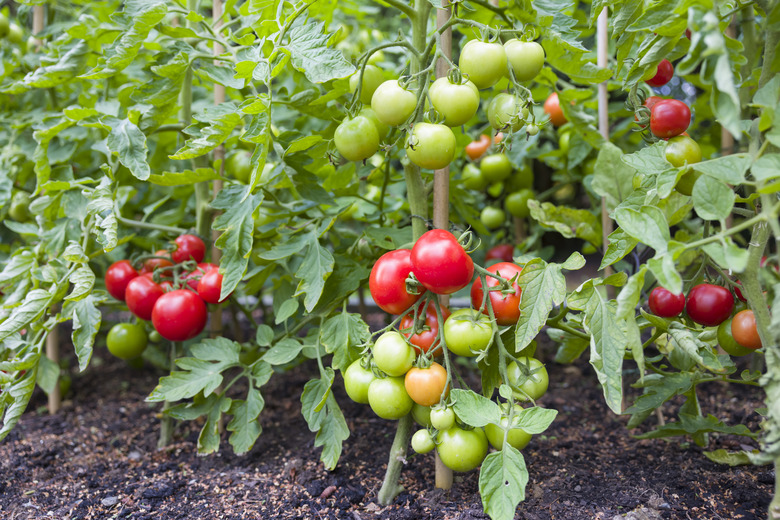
(97, 458)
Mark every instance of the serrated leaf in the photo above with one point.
(502, 480)
(474, 409)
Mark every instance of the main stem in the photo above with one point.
(418, 204)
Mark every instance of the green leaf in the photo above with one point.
(83, 280)
(712, 199)
(315, 269)
(544, 287)
(502, 480)
(648, 225)
(245, 426)
(86, 324)
(32, 307)
(183, 178)
(569, 222)
(310, 54)
(474, 409)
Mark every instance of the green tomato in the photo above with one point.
(467, 332)
(728, 343)
(456, 103)
(523, 179)
(20, 207)
(442, 418)
(517, 203)
(392, 104)
(388, 399)
(431, 146)
(422, 442)
(422, 415)
(686, 182)
(392, 354)
(516, 437)
(239, 166)
(472, 178)
(682, 150)
(531, 379)
(492, 217)
(483, 62)
(356, 139)
(356, 382)
(496, 189)
(496, 167)
(15, 34)
(504, 110)
(127, 341)
(372, 78)
(381, 128)
(525, 58)
(462, 450)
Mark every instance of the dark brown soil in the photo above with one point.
(97, 458)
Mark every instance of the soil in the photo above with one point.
(97, 458)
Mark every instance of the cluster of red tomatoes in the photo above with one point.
(711, 305)
(166, 292)
(401, 376)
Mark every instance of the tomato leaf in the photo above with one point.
(502, 480)
(475, 409)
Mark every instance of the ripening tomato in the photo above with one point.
(357, 379)
(506, 307)
(141, 295)
(467, 332)
(664, 73)
(709, 305)
(744, 330)
(462, 450)
(424, 339)
(669, 118)
(529, 377)
(387, 282)
(388, 398)
(188, 247)
(427, 386)
(502, 252)
(440, 263)
(356, 139)
(456, 103)
(118, 275)
(372, 78)
(210, 287)
(179, 315)
(665, 304)
(552, 107)
(526, 58)
(431, 146)
(483, 62)
(393, 104)
(476, 149)
(392, 354)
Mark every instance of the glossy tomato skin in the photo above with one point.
(709, 305)
(118, 275)
(188, 247)
(669, 118)
(532, 386)
(356, 382)
(141, 295)
(462, 450)
(483, 62)
(440, 263)
(356, 139)
(210, 287)
(392, 354)
(467, 332)
(424, 339)
(663, 75)
(506, 308)
(728, 343)
(179, 315)
(426, 385)
(476, 149)
(456, 103)
(666, 304)
(431, 146)
(387, 282)
(127, 341)
(744, 330)
(503, 252)
(552, 106)
(388, 398)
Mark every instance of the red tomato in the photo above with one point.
(387, 282)
(709, 305)
(153, 263)
(506, 308)
(744, 330)
(475, 149)
(426, 385)
(552, 106)
(664, 74)
(188, 247)
(141, 295)
(503, 252)
(665, 304)
(210, 287)
(669, 118)
(440, 263)
(179, 315)
(423, 340)
(118, 275)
